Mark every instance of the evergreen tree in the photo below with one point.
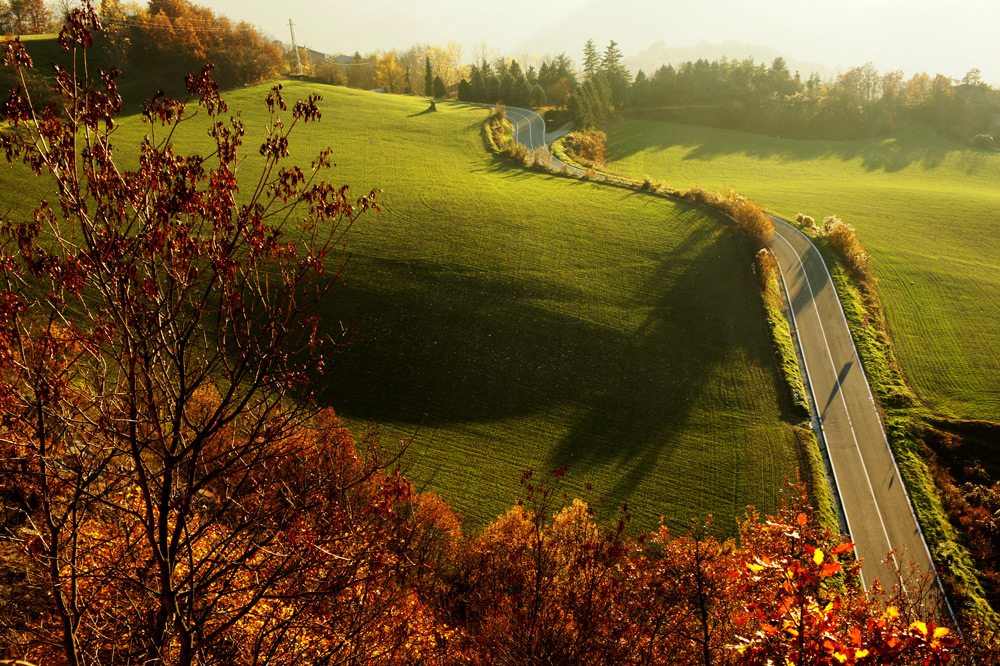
(428, 77)
(611, 61)
(591, 60)
(562, 68)
(440, 91)
(640, 91)
(492, 88)
(615, 75)
(521, 92)
(537, 96)
(545, 75)
(464, 91)
(506, 89)
(478, 85)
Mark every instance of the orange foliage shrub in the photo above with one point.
(751, 218)
(767, 267)
(589, 148)
(844, 240)
(755, 223)
(707, 198)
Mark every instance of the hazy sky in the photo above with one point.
(950, 37)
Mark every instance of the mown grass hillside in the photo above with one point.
(513, 321)
(925, 207)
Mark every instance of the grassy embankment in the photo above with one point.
(923, 206)
(538, 322)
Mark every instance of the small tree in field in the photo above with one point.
(161, 349)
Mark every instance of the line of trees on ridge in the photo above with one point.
(736, 94)
(742, 94)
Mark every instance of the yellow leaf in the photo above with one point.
(891, 612)
(818, 556)
(919, 626)
(860, 654)
(840, 656)
(755, 567)
(941, 631)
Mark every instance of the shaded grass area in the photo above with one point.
(511, 321)
(925, 207)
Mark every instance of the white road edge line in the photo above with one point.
(885, 437)
(847, 411)
(815, 404)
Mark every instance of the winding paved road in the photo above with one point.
(872, 499)
(529, 129)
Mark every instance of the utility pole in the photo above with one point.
(295, 47)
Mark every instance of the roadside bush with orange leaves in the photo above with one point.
(767, 269)
(754, 222)
(588, 147)
(844, 239)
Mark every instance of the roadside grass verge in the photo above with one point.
(784, 345)
(510, 321)
(924, 206)
(904, 421)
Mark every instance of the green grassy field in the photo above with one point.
(531, 321)
(925, 207)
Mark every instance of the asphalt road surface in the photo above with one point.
(529, 129)
(875, 505)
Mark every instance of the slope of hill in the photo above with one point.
(513, 321)
(925, 207)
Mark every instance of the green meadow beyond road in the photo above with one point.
(875, 505)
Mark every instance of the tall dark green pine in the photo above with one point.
(611, 61)
(591, 60)
(428, 77)
(478, 85)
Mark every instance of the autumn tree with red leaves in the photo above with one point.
(161, 348)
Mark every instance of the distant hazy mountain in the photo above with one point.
(661, 53)
(893, 34)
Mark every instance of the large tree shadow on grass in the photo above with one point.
(637, 418)
(472, 346)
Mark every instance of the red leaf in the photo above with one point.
(830, 569)
(847, 546)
